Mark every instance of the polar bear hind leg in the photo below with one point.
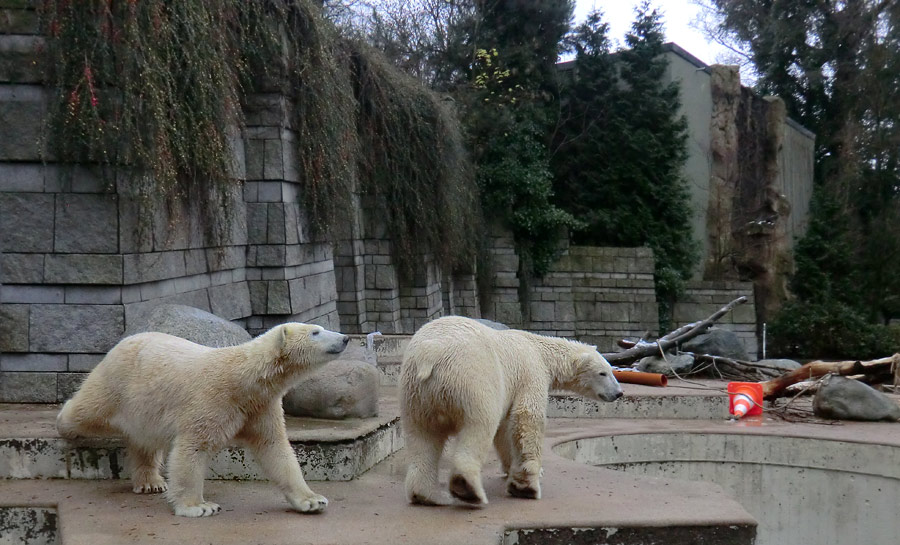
(145, 469)
(424, 449)
(472, 447)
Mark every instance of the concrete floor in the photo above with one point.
(581, 503)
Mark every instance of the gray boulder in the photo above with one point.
(192, 324)
(842, 398)
(681, 363)
(717, 342)
(491, 324)
(340, 389)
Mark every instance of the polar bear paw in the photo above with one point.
(531, 491)
(311, 504)
(152, 485)
(464, 491)
(436, 498)
(203, 509)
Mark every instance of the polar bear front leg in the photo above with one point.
(527, 436)
(187, 468)
(266, 437)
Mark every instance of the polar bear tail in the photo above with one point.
(423, 370)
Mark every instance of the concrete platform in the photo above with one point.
(581, 504)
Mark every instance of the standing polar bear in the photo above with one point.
(165, 393)
(461, 378)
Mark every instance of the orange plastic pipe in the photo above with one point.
(638, 377)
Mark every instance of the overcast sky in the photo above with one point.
(678, 16)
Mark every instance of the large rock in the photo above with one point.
(492, 324)
(841, 398)
(717, 342)
(194, 325)
(341, 389)
(681, 364)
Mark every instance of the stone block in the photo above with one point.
(278, 298)
(269, 192)
(84, 363)
(257, 223)
(26, 221)
(231, 301)
(67, 384)
(254, 157)
(75, 328)
(19, 21)
(225, 258)
(33, 362)
(385, 277)
(22, 268)
(195, 262)
(20, 58)
(22, 110)
(270, 256)
(31, 294)
(86, 223)
(14, 328)
(273, 162)
(19, 387)
(21, 177)
(94, 295)
(266, 109)
(276, 226)
(542, 311)
(341, 389)
(258, 296)
(153, 266)
(83, 269)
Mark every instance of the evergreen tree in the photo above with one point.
(622, 149)
(511, 93)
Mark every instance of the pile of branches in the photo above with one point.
(775, 383)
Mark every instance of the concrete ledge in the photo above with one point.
(328, 450)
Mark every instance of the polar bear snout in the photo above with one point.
(339, 345)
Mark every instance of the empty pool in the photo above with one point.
(801, 490)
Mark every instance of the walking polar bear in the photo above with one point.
(461, 378)
(163, 392)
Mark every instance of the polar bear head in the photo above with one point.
(310, 345)
(594, 377)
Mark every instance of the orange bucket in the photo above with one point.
(745, 398)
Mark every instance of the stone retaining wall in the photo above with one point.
(703, 298)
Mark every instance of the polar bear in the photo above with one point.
(163, 392)
(461, 378)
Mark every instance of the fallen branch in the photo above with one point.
(643, 349)
(775, 388)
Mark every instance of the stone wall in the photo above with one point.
(597, 295)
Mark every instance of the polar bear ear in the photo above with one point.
(285, 333)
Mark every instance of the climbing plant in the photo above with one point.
(157, 86)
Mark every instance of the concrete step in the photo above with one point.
(328, 450)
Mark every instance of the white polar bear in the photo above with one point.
(461, 378)
(163, 392)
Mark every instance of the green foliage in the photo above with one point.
(151, 85)
(507, 103)
(156, 86)
(621, 149)
(830, 330)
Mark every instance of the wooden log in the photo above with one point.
(774, 388)
(673, 338)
